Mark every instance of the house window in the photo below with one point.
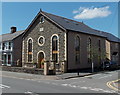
(30, 50)
(41, 19)
(7, 45)
(77, 50)
(89, 50)
(0, 46)
(41, 40)
(10, 46)
(3, 46)
(55, 49)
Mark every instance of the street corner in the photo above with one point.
(115, 85)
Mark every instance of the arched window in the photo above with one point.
(99, 45)
(99, 51)
(30, 50)
(89, 50)
(55, 49)
(77, 50)
(41, 19)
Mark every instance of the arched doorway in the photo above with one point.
(41, 58)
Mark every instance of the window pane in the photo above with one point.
(29, 57)
(0, 45)
(42, 19)
(30, 50)
(54, 43)
(55, 57)
(99, 45)
(41, 40)
(89, 50)
(55, 48)
(3, 46)
(30, 46)
(77, 50)
(10, 45)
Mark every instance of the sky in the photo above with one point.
(101, 16)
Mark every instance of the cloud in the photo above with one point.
(92, 12)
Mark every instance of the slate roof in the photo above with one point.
(10, 36)
(111, 37)
(79, 27)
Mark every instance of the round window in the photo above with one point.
(41, 40)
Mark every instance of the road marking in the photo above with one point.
(83, 87)
(4, 86)
(109, 84)
(89, 88)
(30, 93)
(77, 82)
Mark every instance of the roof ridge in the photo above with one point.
(5, 34)
(13, 33)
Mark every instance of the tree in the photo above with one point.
(95, 53)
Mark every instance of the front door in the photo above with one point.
(41, 60)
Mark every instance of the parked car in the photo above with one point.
(109, 65)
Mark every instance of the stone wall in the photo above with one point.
(115, 47)
(49, 29)
(22, 70)
(83, 50)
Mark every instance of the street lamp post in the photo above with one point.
(92, 67)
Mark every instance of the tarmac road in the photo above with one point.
(13, 83)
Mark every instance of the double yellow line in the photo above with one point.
(109, 84)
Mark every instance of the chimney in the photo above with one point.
(13, 29)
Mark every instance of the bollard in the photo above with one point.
(46, 68)
(64, 68)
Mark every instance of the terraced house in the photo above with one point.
(66, 42)
(11, 48)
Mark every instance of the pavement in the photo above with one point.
(73, 75)
(81, 73)
(47, 77)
